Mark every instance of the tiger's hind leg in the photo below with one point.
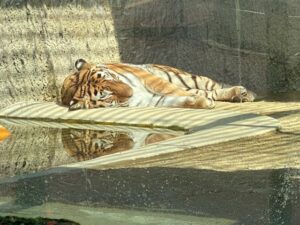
(231, 94)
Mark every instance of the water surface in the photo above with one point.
(37, 145)
(166, 196)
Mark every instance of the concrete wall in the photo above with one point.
(252, 42)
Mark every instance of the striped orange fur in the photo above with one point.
(119, 84)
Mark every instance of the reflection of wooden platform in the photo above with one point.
(205, 127)
(267, 151)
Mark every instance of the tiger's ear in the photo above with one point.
(80, 63)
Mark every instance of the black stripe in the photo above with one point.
(161, 97)
(206, 85)
(165, 72)
(212, 87)
(178, 76)
(169, 77)
(163, 100)
(195, 81)
(149, 103)
(214, 98)
(182, 81)
(81, 84)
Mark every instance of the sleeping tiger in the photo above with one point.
(120, 84)
(88, 144)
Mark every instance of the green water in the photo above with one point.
(170, 196)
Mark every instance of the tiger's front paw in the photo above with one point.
(76, 104)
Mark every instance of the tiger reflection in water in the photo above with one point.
(88, 144)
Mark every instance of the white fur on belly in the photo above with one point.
(141, 96)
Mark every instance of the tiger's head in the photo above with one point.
(90, 86)
(89, 144)
(73, 81)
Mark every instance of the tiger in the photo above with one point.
(88, 144)
(122, 84)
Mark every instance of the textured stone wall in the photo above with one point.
(40, 42)
(254, 43)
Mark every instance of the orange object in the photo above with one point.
(4, 133)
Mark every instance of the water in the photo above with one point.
(38, 145)
(156, 196)
(132, 196)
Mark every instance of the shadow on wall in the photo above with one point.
(253, 43)
(248, 197)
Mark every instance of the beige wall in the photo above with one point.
(39, 45)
